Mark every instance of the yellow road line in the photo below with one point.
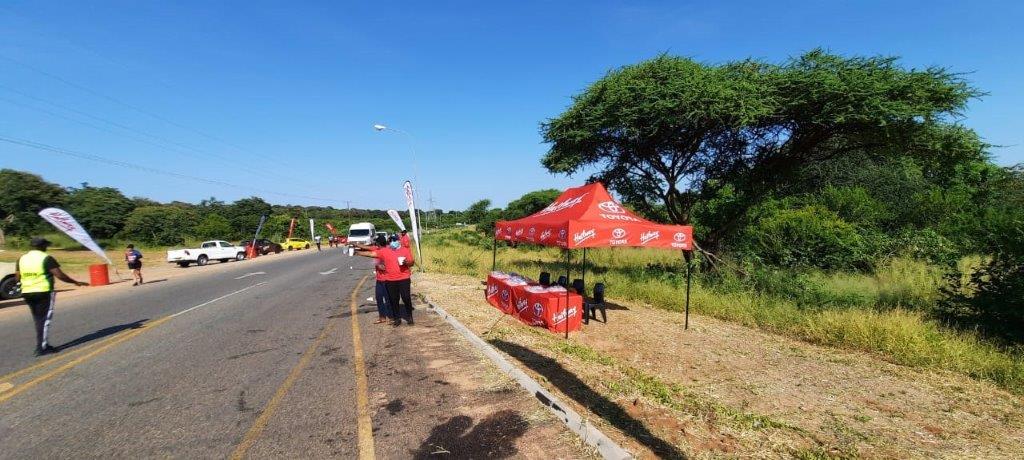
(68, 365)
(261, 422)
(101, 346)
(365, 425)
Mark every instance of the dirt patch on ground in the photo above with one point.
(721, 389)
(436, 396)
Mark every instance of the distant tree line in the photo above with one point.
(109, 215)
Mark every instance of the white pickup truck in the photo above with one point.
(9, 287)
(209, 250)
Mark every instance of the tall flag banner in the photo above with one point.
(397, 218)
(410, 199)
(67, 224)
(312, 234)
(331, 228)
(291, 227)
(263, 220)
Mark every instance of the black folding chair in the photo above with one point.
(577, 285)
(597, 302)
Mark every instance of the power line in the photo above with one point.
(130, 106)
(129, 67)
(135, 138)
(125, 164)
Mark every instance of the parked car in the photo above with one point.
(380, 234)
(295, 243)
(362, 233)
(263, 245)
(209, 250)
(9, 286)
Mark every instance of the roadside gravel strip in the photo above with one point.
(572, 420)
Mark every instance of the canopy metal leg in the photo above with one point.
(565, 311)
(494, 255)
(686, 321)
(583, 277)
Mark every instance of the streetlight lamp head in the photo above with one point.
(380, 127)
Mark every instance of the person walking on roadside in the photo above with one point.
(134, 260)
(36, 271)
(316, 239)
(398, 263)
(381, 291)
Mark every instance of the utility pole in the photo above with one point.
(430, 201)
(348, 206)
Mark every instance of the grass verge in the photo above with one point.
(878, 313)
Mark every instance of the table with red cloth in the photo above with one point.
(534, 304)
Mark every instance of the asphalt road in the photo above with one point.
(233, 363)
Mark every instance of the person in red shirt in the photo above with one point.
(384, 313)
(404, 239)
(398, 263)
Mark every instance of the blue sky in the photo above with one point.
(296, 86)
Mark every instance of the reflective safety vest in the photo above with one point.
(33, 275)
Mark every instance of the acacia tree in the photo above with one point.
(671, 133)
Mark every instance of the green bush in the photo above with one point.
(159, 225)
(213, 226)
(810, 236)
(853, 204)
(992, 299)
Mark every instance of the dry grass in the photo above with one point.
(878, 313)
(722, 389)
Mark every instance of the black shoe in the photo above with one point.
(396, 323)
(409, 322)
(45, 350)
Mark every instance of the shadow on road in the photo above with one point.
(580, 391)
(107, 331)
(493, 437)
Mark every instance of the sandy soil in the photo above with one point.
(738, 391)
(451, 402)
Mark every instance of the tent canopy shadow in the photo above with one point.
(571, 385)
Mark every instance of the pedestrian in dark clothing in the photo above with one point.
(134, 260)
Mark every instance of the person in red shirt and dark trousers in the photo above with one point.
(398, 263)
(384, 313)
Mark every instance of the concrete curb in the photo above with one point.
(587, 432)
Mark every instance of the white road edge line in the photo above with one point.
(329, 272)
(590, 434)
(250, 274)
(218, 298)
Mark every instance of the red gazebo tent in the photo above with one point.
(588, 217)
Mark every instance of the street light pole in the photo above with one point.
(415, 170)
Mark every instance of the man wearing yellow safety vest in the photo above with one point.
(36, 271)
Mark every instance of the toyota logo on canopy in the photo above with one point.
(618, 233)
(612, 207)
(679, 237)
